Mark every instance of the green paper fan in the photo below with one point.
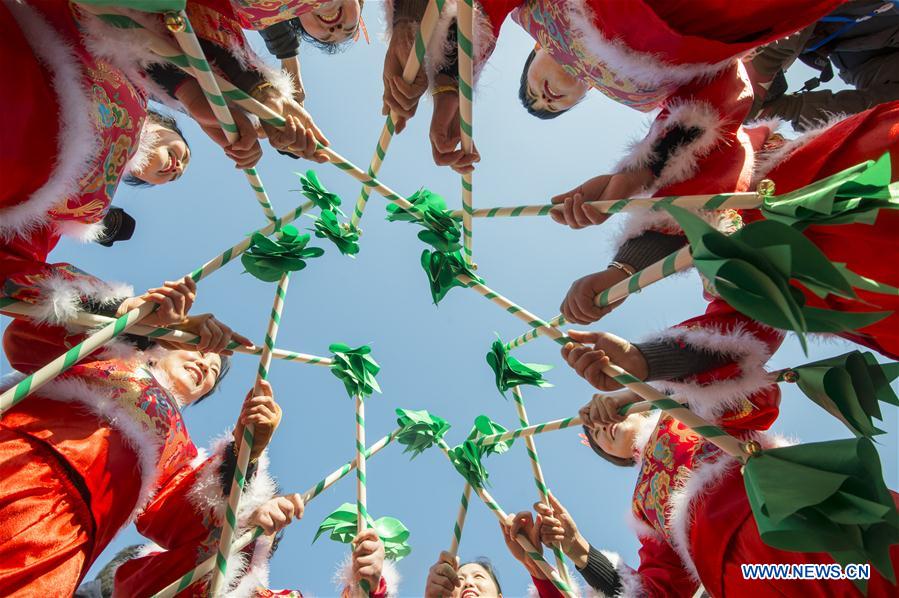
(510, 372)
(316, 192)
(420, 430)
(344, 235)
(341, 526)
(442, 269)
(484, 426)
(429, 211)
(355, 368)
(268, 259)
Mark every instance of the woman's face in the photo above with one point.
(167, 161)
(335, 21)
(618, 439)
(550, 86)
(191, 373)
(476, 582)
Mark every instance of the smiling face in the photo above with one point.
(618, 439)
(476, 582)
(550, 87)
(191, 373)
(333, 22)
(167, 160)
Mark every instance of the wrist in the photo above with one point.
(579, 551)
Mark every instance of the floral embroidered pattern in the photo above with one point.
(259, 14)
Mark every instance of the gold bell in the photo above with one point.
(175, 22)
(791, 377)
(752, 448)
(474, 266)
(766, 187)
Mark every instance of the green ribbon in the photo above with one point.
(342, 526)
(344, 235)
(855, 195)
(420, 430)
(268, 259)
(429, 210)
(442, 269)
(314, 191)
(848, 387)
(753, 268)
(355, 368)
(510, 372)
(142, 5)
(825, 497)
(484, 426)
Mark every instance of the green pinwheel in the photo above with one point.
(484, 426)
(355, 368)
(442, 269)
(344, 235)
(511, 372)
(429, 210)
(824, 497)
(316, 192)
(466, 458)
(848, 387)
(854, 195)
(268, 259)
(753, 269)
(420, 430)
(341, 525)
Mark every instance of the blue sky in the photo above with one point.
(432, 358)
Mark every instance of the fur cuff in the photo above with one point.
(343, 577)
(86, 233)
(712, 400)
(60, 297)
(439, 47)
(77, 140)
(630, 579)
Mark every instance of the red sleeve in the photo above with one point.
(546, 589)
(660, 574)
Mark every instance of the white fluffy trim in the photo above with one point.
(280, 79)
(246, 575)
(86, 233)
(77, 143)
(647, 425)
(126, 49)
(483, 42)
(712, 400)
(439, 47)
(100, 401)
(767, 161)
(343, 577)
(149, 139)
(643, 67)
(630, 579)
(60, 298)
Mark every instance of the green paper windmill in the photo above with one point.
(316, 192)
(268, 259)
(824, 497)
(341, 526)
(443, 232)
(356, 369)
(510, 372)
(753, 268)
(466, 458)
(848, 387)
(420, 430)
(854, 195)
(484, 426)
(344, 235)
(442, 269)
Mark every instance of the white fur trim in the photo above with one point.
(280, 79)
(244, 581)
(710, 401)
(149, 139)
(640, 528)
(126, 49)
(767, 161)
(343, 577)
(439, 48)
(648, 425)
(60, 298)
(642, 67)
(100, 402)
(77, 142)
(483, 42)
(86, 233)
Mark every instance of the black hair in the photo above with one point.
(527, 101)
(488, 567)
(106, 576)
(327, 47)
(613, 459)
(166, 122)
(226, 367)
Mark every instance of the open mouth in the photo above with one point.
(550, 94)
(468, 594)
(169, 164)
(331, 19)
(195, 372)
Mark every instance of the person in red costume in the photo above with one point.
(105, 444)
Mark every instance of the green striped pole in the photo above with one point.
(465, 22)
(201, 570)
(30, 383)
(246, 444)
(539, 480)
(460, 519)
(721, 201)
(410, 71)
(17, 309)
(365, 178)
(532, 553)
(361, 494)
(513, 308)
(678, 261)
(528, 431)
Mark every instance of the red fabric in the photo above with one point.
(45, 527)
(29, 119)
(661, 573)
(864, 248)
(545, 588)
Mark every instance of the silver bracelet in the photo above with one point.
(624, 268)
